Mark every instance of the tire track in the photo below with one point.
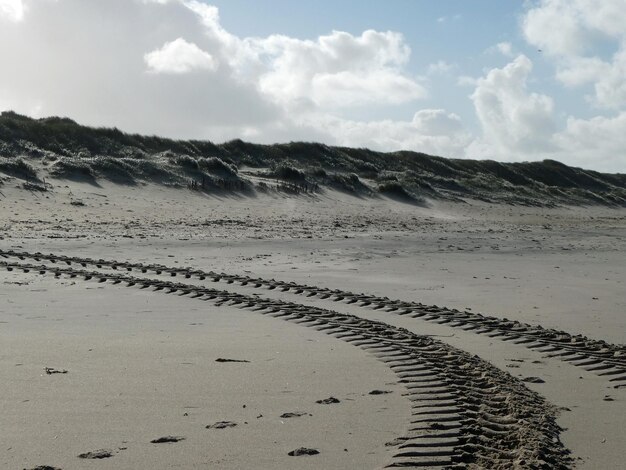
(600, 357)
(466, 413)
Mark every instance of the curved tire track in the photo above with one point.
(598, 356)
(466, 413)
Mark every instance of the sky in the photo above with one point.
(486, 79)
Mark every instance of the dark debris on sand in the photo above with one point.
(303, 451)
(295, 414)
(96, 454)
(534, 380)
(165, 439)
(328, 401)
(43, 467)
(221, 425)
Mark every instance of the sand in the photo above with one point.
(141, 364)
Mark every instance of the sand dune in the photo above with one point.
(36, 149)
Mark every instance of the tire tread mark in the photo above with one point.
(498, 418)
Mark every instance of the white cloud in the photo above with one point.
(570, 30)
(610, 87)
(572, 27)
(436, 122)
(231, 48)
(466, 80)
(514, 120)
(338, 69)
(519, 125)
(572, 33)
(505, 48)
(440, 67)
(598, 142)
(275, 87)
(443, 19)
(555, 27)
(577, 71)
(12, 10)
(348, 88)
(179, 56)
(433, 131)
(99, 78)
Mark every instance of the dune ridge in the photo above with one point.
(38, 149)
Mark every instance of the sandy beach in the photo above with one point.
(97, 357)
(349, 235)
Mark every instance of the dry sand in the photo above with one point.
(141, 364)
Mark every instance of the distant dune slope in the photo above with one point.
(36, 149)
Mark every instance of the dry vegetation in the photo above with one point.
(32, 149)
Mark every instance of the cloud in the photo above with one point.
(572, 27)
(179, 56)
(572, 34)
(170, 67)
(12, 10)
(514, 120)
(578, 71)
(466, 80)
(505, 48)
(610, 85)
(69, 63)
(441, 67)
(519, 124)
(203, 81)
(598, 142)
(443, 19)
(338, 69)
(433, 131)
(540, 28)
(348, 88)
(332, 71)
(583, 25)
